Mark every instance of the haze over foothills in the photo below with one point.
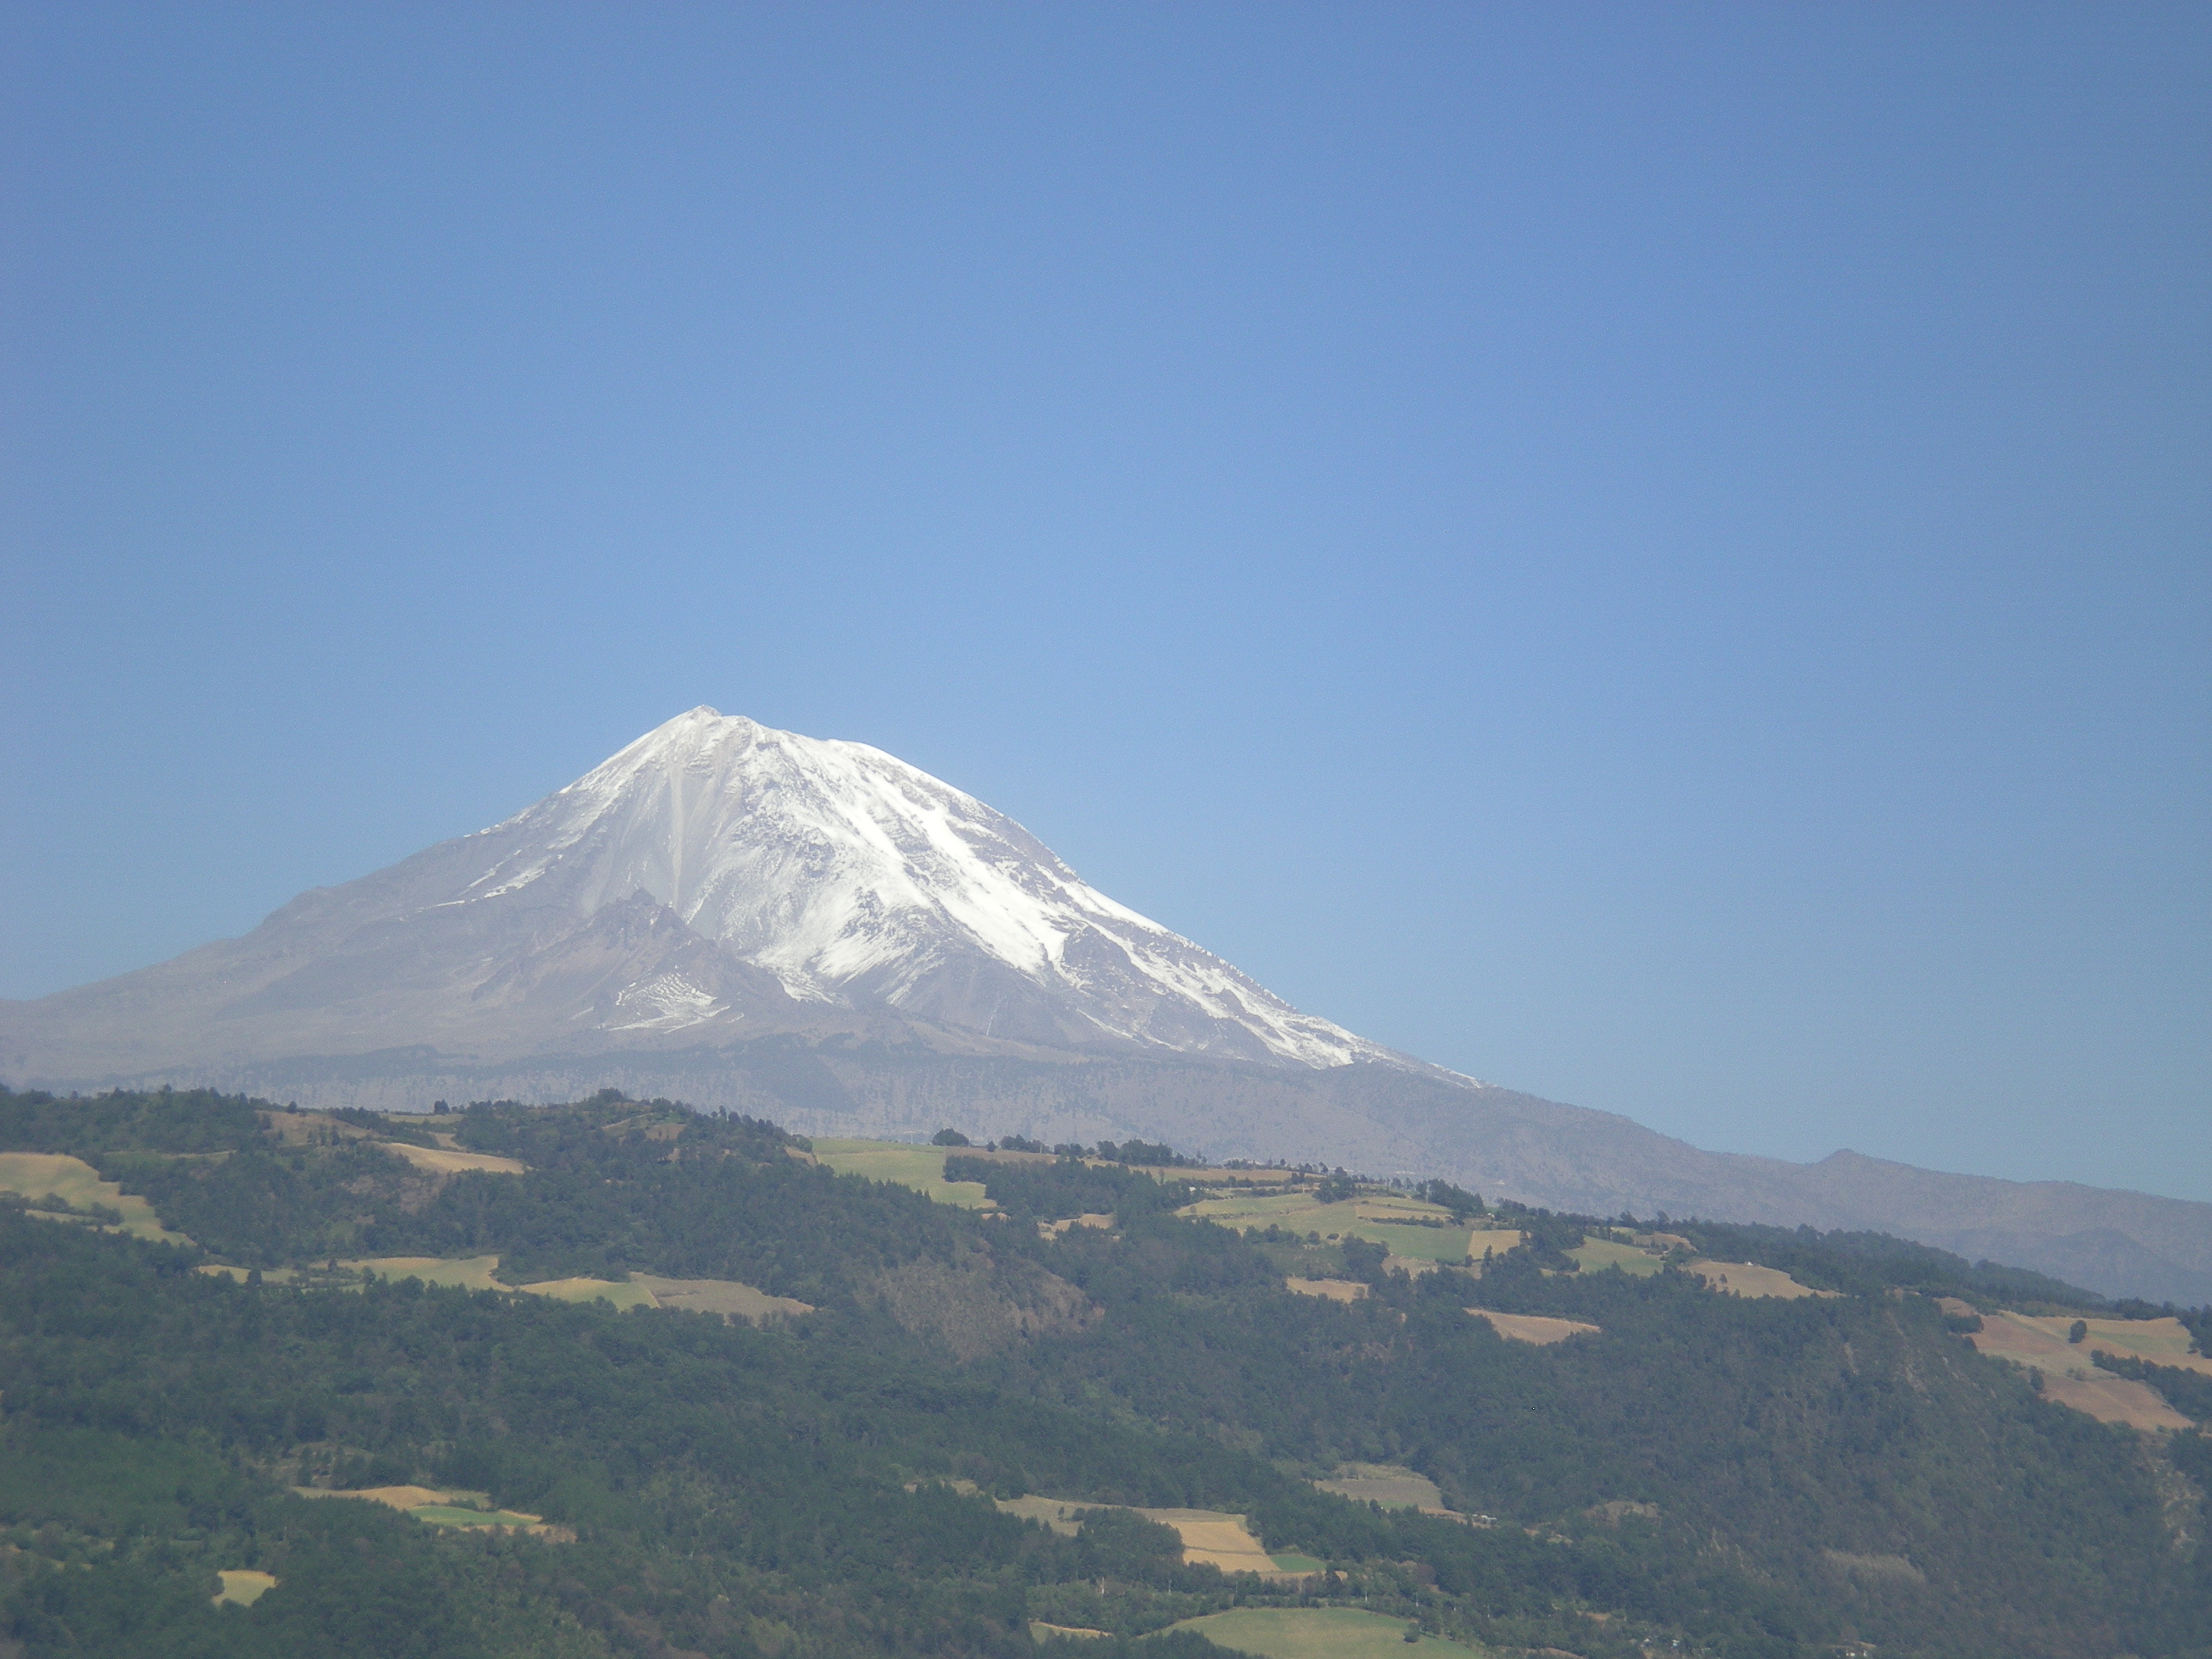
(1656, 558)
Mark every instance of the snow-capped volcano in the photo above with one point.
(818, 932)
(855, 878)
(715, 882)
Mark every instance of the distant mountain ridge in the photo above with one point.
(818, 931)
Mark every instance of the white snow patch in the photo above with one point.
(827, 862)
(667, 1002)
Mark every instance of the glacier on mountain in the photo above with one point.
(857, 879)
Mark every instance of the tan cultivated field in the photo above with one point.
(1039, 1630)
(1319, 1633)
(1744, 1279)
(1392, 1486)
(2027, 1341)
(243, 1586)
(444, 1160)
(41, 1174)
(1215, 1539)
(1209, 1536)
(2158, 1341)
(2071, 1378)
(2111, 1399)
(1534, 1328)
(1496, 1240)
(1336, 1290)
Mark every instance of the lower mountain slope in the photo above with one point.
(1745, 1477)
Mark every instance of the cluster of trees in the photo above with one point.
(1462, 1204)
(742, 1492)
(1147, 1154)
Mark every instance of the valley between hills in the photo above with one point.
(619, 1377)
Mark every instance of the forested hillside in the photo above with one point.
(1741, 1477)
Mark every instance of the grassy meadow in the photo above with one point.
(1404, 1226)
(1597, 1255)
(36, 1176)
(921, 1168)
(1391, 1485)
(243, 1587)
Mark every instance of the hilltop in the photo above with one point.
(953, 1421)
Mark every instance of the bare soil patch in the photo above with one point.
(1540, 1329)
(2069, 1377)
(2115, 1399)
(1215, 1539)
(726, 1297)
(1746, 1279)
(2161, 1341)
(443, 1160)
(1209, 1536)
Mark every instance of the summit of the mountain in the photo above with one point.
(713, 881)
(859, 881)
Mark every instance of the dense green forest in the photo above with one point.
(1741, 1478)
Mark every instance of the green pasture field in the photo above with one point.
(1378, 1218)
(1319, 1633)
(592, 1290)
(1597, 1255)
(41, 1174)
(453, 1515)
(243, 1586)
(1391, 1485)
(921, 1168)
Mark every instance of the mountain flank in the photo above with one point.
(755, 920)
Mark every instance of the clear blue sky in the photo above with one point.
(1655, 554)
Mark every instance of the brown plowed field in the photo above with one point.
(1539, 1328)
